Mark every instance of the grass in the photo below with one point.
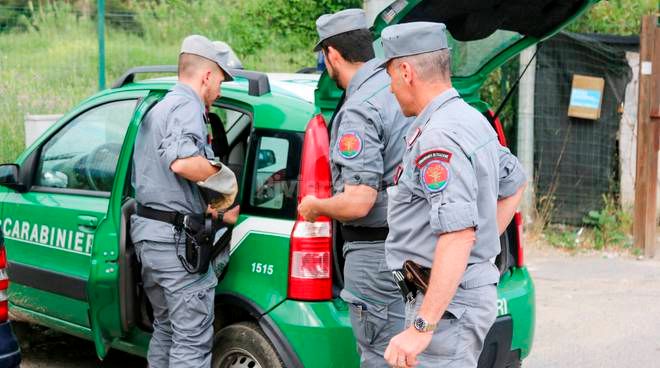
(607, 229)
(52, 66)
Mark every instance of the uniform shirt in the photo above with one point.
(452, 173)
(364, 139)
(175, 128)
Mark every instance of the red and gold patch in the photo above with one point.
(350, 145)
(435, 176)
(432, 155)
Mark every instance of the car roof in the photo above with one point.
(288, 106)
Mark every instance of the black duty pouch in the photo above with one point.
(201, 248)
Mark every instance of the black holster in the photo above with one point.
(201, 248)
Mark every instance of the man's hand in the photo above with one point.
(404, 347)
(230, 217)
(307, 208)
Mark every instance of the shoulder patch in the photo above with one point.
(427, 156)
(435, 176)
(350, 145)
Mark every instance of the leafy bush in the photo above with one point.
(621, 17)
(611, 225)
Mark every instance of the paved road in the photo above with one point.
(45, 348)
(592, 311)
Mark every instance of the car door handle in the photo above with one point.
(86, 223)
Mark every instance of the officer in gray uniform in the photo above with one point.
(456, 190)
(171, 156)
(365, 150)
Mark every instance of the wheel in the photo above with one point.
(243, 345)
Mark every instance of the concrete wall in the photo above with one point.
(36, 125)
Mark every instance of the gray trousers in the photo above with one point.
(459, 338)
(376, 306)
(183, 307)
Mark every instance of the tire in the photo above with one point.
(243, 345)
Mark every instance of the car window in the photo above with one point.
(270, 170)
(229, 118)
(83, 155)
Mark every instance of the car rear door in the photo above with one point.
(51, 228)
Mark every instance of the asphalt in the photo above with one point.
(593, 311)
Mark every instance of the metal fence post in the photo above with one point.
(100, 6)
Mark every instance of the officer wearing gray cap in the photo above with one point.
(456, 191)
(365, 151)
(171, 156)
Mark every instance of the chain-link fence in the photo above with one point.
(576, 160)
(49, 52)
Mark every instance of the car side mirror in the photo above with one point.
(9, 174)
(265, 158)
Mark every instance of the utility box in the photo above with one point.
(586, 97)
(36, 125)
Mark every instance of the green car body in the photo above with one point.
(65, 223)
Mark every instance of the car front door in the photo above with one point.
(51, 227)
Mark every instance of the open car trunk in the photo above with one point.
(483, 35)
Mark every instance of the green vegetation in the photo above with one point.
(48, 54)
(611, 225)
(623, 17)
(608, 228)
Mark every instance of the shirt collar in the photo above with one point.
(434, 105)
(366, 71)
(187, 91)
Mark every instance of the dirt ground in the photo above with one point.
(597, 309)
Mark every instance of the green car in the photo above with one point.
(65, 205)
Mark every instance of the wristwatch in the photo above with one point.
(423, 325)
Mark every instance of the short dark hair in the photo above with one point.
(354, 46)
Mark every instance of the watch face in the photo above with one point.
(420, 324)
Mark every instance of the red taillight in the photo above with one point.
(3, 256)
(4, 307)
(310, 263)
(4, 284)
(517, 218)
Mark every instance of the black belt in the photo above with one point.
(170, 217)
(363, 233)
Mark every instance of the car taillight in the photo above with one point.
(517, 218)
(4, 284)
(310, 263)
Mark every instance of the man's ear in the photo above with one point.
(334, 55)
(407, 72)
(206, 76)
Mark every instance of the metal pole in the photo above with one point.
(100, 6)
(526, 128)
